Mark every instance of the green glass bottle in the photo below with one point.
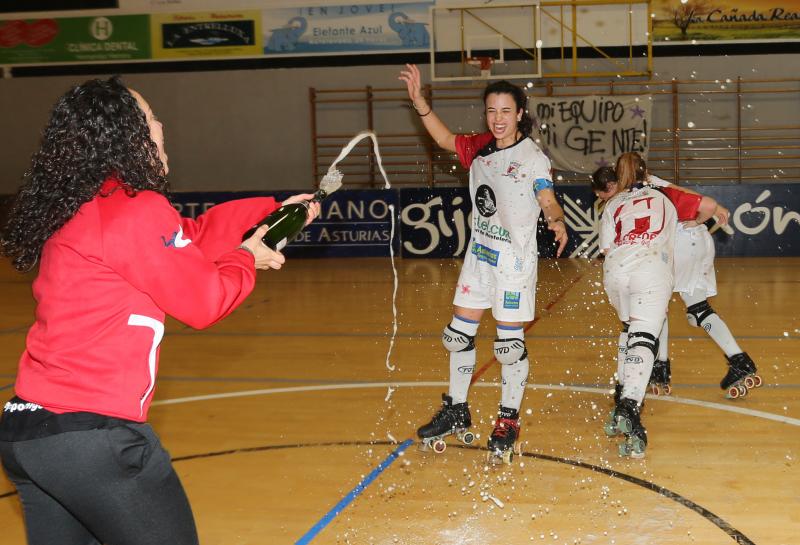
(285, 223)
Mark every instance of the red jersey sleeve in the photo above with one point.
(220, 229)
(468, 146)
(144, 242)
(686, 204)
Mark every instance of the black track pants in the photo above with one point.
(113, 486)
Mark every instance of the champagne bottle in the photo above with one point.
(286, 222)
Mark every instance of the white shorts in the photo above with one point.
(509, 303)
(694, 261)
(640, 295)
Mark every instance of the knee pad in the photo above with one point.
(640, 338)
(456, 341)
(508, 351)
(698, 312)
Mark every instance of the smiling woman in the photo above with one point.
(511, 185)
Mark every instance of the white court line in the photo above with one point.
(557, 387)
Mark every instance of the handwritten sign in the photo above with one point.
(581, 134)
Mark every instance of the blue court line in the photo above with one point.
(7, 386)
(339, 507)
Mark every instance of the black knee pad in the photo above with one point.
(640, 338)
(698, 312)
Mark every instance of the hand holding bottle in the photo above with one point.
(314, 207)
(265, 257)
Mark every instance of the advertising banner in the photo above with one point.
(347, 28)
(75, 39)
(679, 21)
(209, 34)
(581, 134)
(435, 223)
(353, 223)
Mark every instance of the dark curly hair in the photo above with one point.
(504, 87)
(95, 130)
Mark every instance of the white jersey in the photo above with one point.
(694, 255)
(637, 230)
(502, 254)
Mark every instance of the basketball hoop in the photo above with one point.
(485, 64)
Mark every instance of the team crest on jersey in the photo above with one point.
(513, 170)
(485, 201)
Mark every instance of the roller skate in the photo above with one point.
(451, 419)
(660, 378)
(741, 377)
(504, 436)
(610, 425)
(628, 422)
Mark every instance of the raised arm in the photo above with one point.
(435, 127)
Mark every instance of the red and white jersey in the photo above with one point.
(636, 220)
(503, 184)
(106, 280)
(636, 226)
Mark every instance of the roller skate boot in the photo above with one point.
(610, 425)
(660, 378)
(504, 436)
(628, 422)
(741, 377)
(451, 419)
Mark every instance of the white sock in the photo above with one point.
(663, 342)
(638, 366)
(515, 375)
(719, 332)
(622, 349)
(462, 364)
(714, 325)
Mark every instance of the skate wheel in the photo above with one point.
(508, 456)
(733, 392)
(610, 429)
(749, 382)
(624, 449)
(654, 389)
(667, 389)
(624, 425)
(439, 446)
(637, 447)
(757, 382)
(467, 438)
(742, 390)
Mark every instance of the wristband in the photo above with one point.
(247, 249)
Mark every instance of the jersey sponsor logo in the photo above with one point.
(485, 254)
(491, 230)
(176, 240)
(485, 201)
(511, 299)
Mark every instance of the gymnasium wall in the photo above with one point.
(250, 129)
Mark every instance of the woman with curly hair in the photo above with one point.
(114, 258)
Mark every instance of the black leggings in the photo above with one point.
(113, 486)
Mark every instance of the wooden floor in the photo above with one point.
(275, 415)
